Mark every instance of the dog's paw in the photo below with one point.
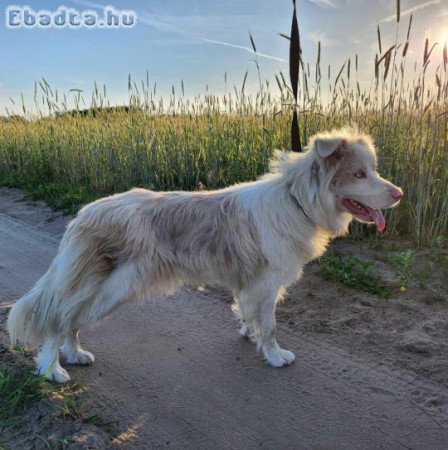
(279, 357)
(55, 373)
(80, 357)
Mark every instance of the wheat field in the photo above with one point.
(69, 156)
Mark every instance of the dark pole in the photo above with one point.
(294, 64)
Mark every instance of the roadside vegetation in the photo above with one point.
(388, 268)
(49, 413)
(35, 413)
(353, 272)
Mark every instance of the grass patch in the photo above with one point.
(72, 407)
(30, 402)
(60, 196)
(402, 263)
(353, 272)
(435, 258)
(19, 388)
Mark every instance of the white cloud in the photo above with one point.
(324, 3)
(409, 11)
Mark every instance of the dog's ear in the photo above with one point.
(327, 146)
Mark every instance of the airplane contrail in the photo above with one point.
(242, 47)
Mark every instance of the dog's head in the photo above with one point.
(355, 186)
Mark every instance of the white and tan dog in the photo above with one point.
(252, 238)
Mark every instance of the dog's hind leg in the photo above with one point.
(122, 285)
(48, 360)
(244, 330)
(257, 305)
(73, 352)
(119, 287)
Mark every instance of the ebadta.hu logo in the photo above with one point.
(20, 17)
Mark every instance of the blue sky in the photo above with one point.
(198, 41)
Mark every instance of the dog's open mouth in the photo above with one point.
(365, 213)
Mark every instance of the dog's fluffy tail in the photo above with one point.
(27, 319)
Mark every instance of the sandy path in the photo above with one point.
(176, 373)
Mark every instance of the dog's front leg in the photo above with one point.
(73, 352)
(258, 309)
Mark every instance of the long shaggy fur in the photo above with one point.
(252, 239)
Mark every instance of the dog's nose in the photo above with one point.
(396, 193)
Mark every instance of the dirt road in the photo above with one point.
(176, 373)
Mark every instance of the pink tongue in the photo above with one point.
(378, 218)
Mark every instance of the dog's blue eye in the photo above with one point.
(360, 174)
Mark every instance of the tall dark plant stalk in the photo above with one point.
(294, 64)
